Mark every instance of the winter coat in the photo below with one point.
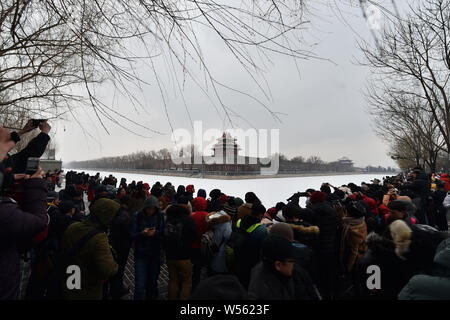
(323, 216)
(395, 272)
(120, 229)
(199, 216)
(250, 254)
(146, 247)
(35, 149)
(19, 226)
(220, 223)
(434, 285)
(353, 241)
(189, 235)
(95, 258)
(268, 284)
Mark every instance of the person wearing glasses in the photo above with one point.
(274, 278)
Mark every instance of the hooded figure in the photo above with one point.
(95, 258)
(201, 226)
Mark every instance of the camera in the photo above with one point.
(32, 165)
(36, 122)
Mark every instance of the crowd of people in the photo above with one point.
(220, 246)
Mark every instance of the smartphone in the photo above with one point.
(36, 122)
(32, 165)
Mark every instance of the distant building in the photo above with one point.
(344, 161)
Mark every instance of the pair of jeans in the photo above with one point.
(146, 273)
(180, 271)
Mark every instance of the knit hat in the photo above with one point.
(223, 198)
(215, 194)
(238, 202)
(201, 193)
(219, 287)
(190, 189)
(151, 201)
(277, 248)
(283, 230)
(318, 197)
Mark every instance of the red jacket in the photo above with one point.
(199, 216)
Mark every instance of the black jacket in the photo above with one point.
(188, 236)
(325, 217)
(268, 284)
(35, 148)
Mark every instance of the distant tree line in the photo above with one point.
(161, 160)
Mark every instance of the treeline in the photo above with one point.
(161, 160)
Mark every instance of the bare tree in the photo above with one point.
(54, 54)
(413, 60)
(403, 122)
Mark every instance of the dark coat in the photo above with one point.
(145, 247)
(436, 284)
(325, 217)
(268, 284)
(35, 148)
(19, 226)
(395, 272)
(189, 235)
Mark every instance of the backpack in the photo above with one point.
(208, 246)
(59, 262)
(237, 244)
(173, 234)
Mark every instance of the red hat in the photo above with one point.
(190, 188)
(223, 199)
(146, 186)
(318, 197)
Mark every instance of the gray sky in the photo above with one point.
(323, 107)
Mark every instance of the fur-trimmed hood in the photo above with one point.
(215, 218)
(305, 230)
(379, 245)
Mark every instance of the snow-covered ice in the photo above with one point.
(269, 190)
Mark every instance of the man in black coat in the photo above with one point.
(276, 276)
(324, 216)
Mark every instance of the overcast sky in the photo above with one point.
(323, 110)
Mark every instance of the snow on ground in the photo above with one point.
(269, 190)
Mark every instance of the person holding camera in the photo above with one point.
(35, 147)
(18, 225)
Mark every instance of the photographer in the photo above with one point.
(19, 225)
(35, 148)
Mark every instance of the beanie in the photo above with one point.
(318, 197)
(283, 230)
(215, 194)
(151, 201)
(201, 193)
(277, 248)
(190, 189)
